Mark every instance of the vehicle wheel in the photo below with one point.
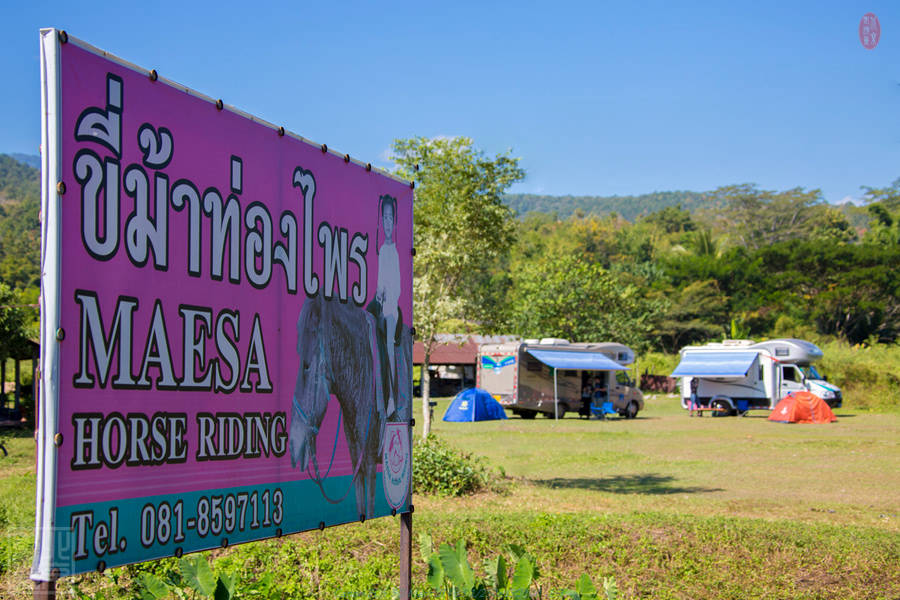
(723, 409)
(631, 410)
(528, 414)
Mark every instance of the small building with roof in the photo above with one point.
(453, 359)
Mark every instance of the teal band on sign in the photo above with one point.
(139, 529)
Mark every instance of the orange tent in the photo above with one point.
(802, 407)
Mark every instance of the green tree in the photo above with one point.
(883, 209)
(758, 218)
(697, 313)
(672, 219)
(702, 243)
(12, 323)
(566, 296)
(834, 226)
(462, 225)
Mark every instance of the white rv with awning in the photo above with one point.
(548, 376)
(740, 375)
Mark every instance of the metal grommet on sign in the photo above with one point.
(416, 168)
(393, 512)
(324, 148)
(61, 188)
(412, 185)
(321, 525)
(58, 439)
(412, 509)
(346, 158)
(60, 334)
(281, 132)
(219, 104)
(63, 36)
(54, 573)
(368, 166)
(101, 566)
(153, 75)
(362, 518)
(179, 552)
(412, 331)
(278, 532)
(412, 422)
(412, 251)
(224, 542)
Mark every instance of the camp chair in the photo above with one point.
(603, 409)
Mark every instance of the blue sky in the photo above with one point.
(596, 98)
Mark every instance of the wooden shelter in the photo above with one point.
(11, 391)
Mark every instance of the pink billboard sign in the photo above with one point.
(226, 324)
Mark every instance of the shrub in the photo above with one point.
(867, 373)
(443, 470)
(451, 575)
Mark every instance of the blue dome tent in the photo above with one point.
(474, 404)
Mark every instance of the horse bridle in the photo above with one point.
(304, 417)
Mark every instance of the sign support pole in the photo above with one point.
(406, 528)
(555, 398)
(45, 590)
(406, 555)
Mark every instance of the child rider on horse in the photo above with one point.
(387, 292)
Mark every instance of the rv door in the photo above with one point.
(791, 380)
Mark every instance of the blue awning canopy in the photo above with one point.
(715, 364)
(590, 361)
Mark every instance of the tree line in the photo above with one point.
(743, 262)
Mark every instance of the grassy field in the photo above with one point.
(671, 506)
(664, 461)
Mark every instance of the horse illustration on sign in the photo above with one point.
(337, 347)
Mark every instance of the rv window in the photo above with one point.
(622, 357)
(790, 374)
(534, 365)
(782, 351)
(622, 377)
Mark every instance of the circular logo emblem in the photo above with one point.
(869, 31)
(396, 462)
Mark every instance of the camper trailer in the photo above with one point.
(550, 376)
(740, 375)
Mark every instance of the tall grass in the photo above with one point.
(868, 375)
(656, 363)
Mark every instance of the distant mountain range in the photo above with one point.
(628, 207)
(32, 160)
(19, 180)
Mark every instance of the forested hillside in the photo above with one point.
(20, 234)
(749, 263)
(736, 261)
(628, 207)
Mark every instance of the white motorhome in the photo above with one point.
(549, 376)
(740, 375)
